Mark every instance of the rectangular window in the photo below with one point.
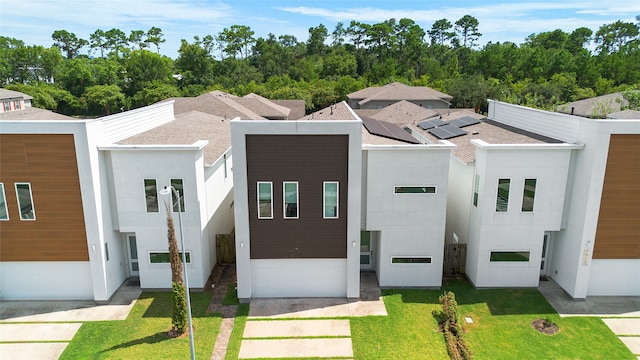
(224, 158)
(410, 260)
(25, 201)
(7, 106)
(330, 199)
(414, 189)
(151, 195)
(265, 200)
(509, 256)
(476, 187)
(163, 257)
(178, 185)
(16, 104)
(4, 212)
(290, 198)
(106, 251)
(529, 194)
(502, 201)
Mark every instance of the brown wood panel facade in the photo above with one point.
(310, 160)
(618, 232)
(48, 163)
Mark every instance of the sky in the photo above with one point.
(33, 21)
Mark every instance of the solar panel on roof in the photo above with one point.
(388, 130)
(464, 121)
(447, 132)
(437, 122)
(425, 125)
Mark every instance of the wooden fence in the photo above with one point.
(455, 256)
(226, 248)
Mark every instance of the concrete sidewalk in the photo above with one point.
(43, 329)
(620, 313)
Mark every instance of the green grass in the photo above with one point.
(143, 335)
(233, 350)
(501, 329)
(231, 296)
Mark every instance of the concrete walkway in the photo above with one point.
(223, 276)
(43, 329)
(620, 313)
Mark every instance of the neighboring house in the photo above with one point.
(383, 96)
(597, 107)
(81, 209)
(14, 100)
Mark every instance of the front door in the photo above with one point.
(132, 254)
(545, 255)
(366, 251)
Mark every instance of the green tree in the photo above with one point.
(317, 36)
(98, 41)
(612, 37)
(155, 37)
(106, 96)
(68, 43)
(144, 67)
(440, 32)
(179, 321)
(237, 40)
(194, 63)
(154, 92)
(115, 41)
(137, 38)
(467, 28)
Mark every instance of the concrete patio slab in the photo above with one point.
(31, 351)
(296, 328)
(624, 326)
(38, 332)
(604, 306)
(367, 308)
(288, 348)
(632, 342)
(314, 308)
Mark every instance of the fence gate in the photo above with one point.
(226, 248)
(455, 256)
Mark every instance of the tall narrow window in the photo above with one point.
(528, 194)
(178, 185)
(25, 201)
(330, 196)
(502, 201)
(224, 158)
(290, 192)
(151, 195)
(16, 104)
(7, 106)
(476, 187)
(265, 200)
(4, 212)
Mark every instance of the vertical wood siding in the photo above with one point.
(310, 160)
(48, 162)
(618, 233)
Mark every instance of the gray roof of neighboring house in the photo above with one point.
(215, 103)
(404, 112)
(398, 91)
(264, 106)
(297, 107)
(186, 129)
(625, 114)
(339, 111)
(31, 113)
(594, 107)
(487, 130)
(10, 94)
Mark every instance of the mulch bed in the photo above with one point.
(545, 326)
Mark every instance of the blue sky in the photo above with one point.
(33, 21)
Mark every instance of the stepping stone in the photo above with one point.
(291, 348)
(632, 342)
(624, 326)
(38, 332)
(296, 328)
(30, 351)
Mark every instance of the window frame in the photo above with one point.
(324, 199)
(174, 203)
(284, 200)
(150, 253)
(146, 201)
(426, 187)
(270, 198)
(7, 105)
(476, 189)
(33, 207)
(533, 197)
(4, 201)
(514, 252)
(498, 197)
(427, 260)
(16, 105)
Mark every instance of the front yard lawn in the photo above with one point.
(501, 327)
(143, 335)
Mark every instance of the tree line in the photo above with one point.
(113, 71)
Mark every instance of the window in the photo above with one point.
(414, 189)
(7, 106)
(265, 200)
(16, 104)
(151, 195)
(528, 194)
(476, 187)
(509, 256)
(330, 199)
(4, 212)
(163, 257)
(25, 201)
(290, 198)
(178, 185)
(410, 260)
(224, 158)
(106, 251)
(502, 201)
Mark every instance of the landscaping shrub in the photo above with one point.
(452, 328)
(179, 313)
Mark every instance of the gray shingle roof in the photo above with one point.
(10, 94)
(404, 112)
(339, 111)
(186, 129)
(625, 114)
(609, 103)
(31, 113)
(398, 91)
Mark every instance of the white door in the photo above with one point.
(366, 251)
(132, 254)
(545, 254)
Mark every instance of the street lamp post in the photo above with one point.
(166, 191)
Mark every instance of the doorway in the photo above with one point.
(544, 260)
(132, 255)
(366, 251)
